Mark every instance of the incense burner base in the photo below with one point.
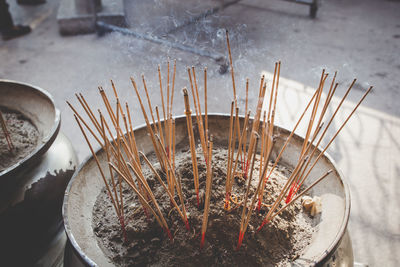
(32, 225)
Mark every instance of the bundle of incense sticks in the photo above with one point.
(6, 132)
(245, 149)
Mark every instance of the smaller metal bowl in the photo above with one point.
(38, 106)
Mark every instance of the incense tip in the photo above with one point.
(202, 240)
(187, 225)
(169, 234)
(259, 205)
(261, 226)
(185, 92)
(239, 244)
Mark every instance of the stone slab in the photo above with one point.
(71, 21)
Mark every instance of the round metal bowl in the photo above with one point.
(86, 184)
(38, 106)
(32, 190)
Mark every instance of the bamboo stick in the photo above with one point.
(162, 95)
(99, 167)
(285, 144)
(149, 103)
(149, 128)
(329, 96)
(132, 134)
(107, 149)
(196, 104)
(205, 107)
(242, 221)
(313, 113)
(262, 151)
(140, 176)
(88, 111)
(283, 191)
(322, 136)
(228, 168)
(188, 113)
(173, 143)
(230, 158)
(256, 123)
(208, 193)
(108, 105)
(6, 132)
(173, 87)
(242, 140)
(160, 130)
(289, 182)
(171, 197)
(160, 222)
(232, 70)
(168, 108)
(178, 183)
(336, 134)
(84, 123)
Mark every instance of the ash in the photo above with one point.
(277, 244)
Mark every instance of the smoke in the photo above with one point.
(185, 24)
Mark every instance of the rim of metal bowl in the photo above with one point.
(318, 261)
(46, 141)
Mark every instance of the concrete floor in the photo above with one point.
(358, 38)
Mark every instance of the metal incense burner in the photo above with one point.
(31, 190)
(330, 246)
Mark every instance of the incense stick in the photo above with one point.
(149, 128)
(123, 157)
(242, 228)
(205, 106)
(232, 70)
(178, 182)
(208, 193)
(188, 113)
(228, 168)
(6, 132)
